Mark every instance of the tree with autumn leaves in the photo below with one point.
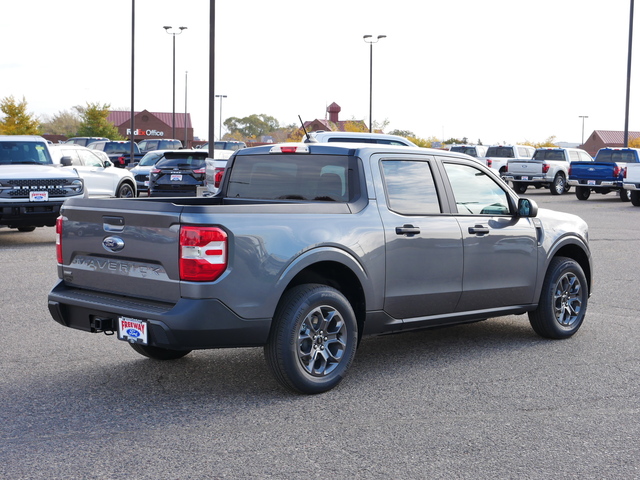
(16, 120)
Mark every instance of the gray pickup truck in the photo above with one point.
(308, 247)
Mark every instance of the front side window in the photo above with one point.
(89, 159)
(475, 192)
(410, 187)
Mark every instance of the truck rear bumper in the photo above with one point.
(187, 325)
(594, 183)
(526, 178)
(631, 186)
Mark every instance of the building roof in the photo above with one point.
(613, 136)
(118, 117)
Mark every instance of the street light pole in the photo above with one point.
(173, 115)
(186, 137)
(369, 39)
(220, 97)
(583, 117)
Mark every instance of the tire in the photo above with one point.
(583, 193)
(158, 353)
(125, 191)
(559, 185)
(625, 195)
(563, 300)
(26, 229)
(313, 339)
(520, 187)
(635, 198)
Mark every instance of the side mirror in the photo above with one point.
(108, 163)
(527, 208)
(66, 161)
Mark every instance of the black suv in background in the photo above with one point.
(178, 174)
(119, 152)
(163, 144)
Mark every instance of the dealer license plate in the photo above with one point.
(591, 182)
(133, 330)
(176, 178)
(38, 196)
(525, 178)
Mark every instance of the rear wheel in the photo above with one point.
(26, 229)
(583, 193)
(559, 185)
(520, 187)
(158, 353)
(313, 339)
(625, 195)
(635, 198)
(563, 300)
(125, 191)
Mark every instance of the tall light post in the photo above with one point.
(173, 115)
(186, 138)
(583, 117)
(220, 97)
(370, 40)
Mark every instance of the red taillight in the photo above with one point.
(545, 167)
(59, 239)
(203, 253)
(616, 171)
(199, 171)
(155, 170)
(489, 162)
(624, 173)
(217, 176)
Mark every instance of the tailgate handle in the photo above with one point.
(112, 224)
(479, 230)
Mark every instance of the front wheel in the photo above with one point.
(583, 193)
(635, 198)
(313, 339)
(625, 195)
(559, 185)
(125, 191)
(158, 353)
(563, 300)
(520, 187)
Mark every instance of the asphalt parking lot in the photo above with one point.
(485, 400)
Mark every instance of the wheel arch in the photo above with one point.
(130, 182)
(335, 269)
(577, 253)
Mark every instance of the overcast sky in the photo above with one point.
(490, 70)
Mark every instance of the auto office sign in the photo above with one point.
(146, 133)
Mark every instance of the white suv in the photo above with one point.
(321, 136)
(100, 177)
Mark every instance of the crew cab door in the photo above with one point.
(423, 247)
(500, 248)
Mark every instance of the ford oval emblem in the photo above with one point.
(113, 244)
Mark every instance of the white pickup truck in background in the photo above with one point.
(631, 182)
(548, 168)
(498, 155)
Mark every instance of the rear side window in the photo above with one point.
(410, 187)
(325, 178)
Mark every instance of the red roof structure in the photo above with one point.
(605, 138)
(118, 117)
(333, 124)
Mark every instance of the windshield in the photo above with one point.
(327, 178)
(467, 150)
(150, 159)
(24, 153)
(501, 152)
(124, 147)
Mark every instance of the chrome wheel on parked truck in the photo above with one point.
(313, 339)
(563, 300)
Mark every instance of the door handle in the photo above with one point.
(479, 230)
(408, 230)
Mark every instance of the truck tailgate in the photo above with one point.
(113, 246)
(525, 167)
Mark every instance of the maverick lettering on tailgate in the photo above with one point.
(119, 267)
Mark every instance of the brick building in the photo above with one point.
(153, 125)
(333, 123)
